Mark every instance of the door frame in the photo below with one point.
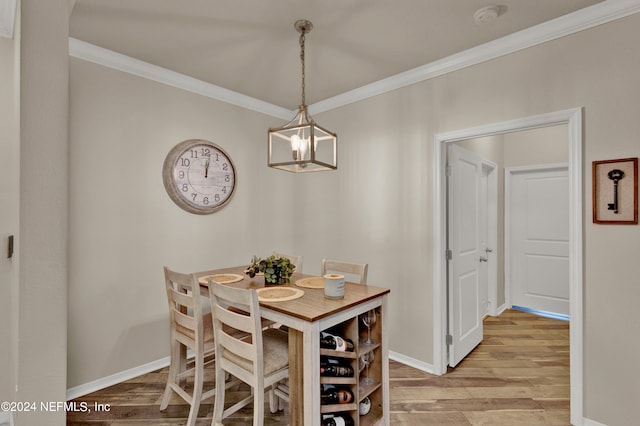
(573, 119)
(490, 177)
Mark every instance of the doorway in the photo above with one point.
(572, 118)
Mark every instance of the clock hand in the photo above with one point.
(206, 168)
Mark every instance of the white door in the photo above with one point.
(538, 237)
(465, 249)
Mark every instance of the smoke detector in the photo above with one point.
(488, 14)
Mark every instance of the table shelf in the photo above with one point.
(355, 330)
(336, 408)
(338, 354)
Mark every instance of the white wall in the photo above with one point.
(376, 207)
(124, 227)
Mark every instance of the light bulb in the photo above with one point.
(304, 147)
(295, 142)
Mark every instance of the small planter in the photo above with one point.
(277, 270)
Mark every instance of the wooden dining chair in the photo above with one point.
(260, 361)
(358, 269)
(190, 328)
(296, 260)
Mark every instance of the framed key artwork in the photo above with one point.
(615, 191)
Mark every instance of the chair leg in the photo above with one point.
(273, 400)
(174, 367)
(258, 406)
(197, 389)
(218, 408)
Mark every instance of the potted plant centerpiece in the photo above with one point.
(276, 270)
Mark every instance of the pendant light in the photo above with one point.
(302, 145)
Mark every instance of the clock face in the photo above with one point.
(199, 176)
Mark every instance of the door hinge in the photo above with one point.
(449, 339)
(448, 169)
(449, 255)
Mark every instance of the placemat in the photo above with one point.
(222, 278)
(311, 282)
(278, 294)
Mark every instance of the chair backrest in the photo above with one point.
(185, 312)
(237, 330)
(296, 260)
(358, 269)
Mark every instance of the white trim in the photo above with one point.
(7, 17)
(492, 235)
(576, 210)
(110, 59)
(411, 362)
(597, 14)
(589, 422)
(501, 309)
(114, 379)
(573, 119)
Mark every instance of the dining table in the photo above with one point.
(305, 317)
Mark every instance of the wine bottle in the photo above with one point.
(336, 343)
(333, 395)
(333, 368)
(342, 419)
(326, 361)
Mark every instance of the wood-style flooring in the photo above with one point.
(518, 375)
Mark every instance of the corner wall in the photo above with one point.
(42, 349)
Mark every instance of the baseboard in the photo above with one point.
(412, 362)
(114, 379)
(546, 314)
(501, 309)
(588, 422)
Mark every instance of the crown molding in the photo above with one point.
(597, 14)
(110, 59)
(7, 17)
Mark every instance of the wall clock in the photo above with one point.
(199, 176)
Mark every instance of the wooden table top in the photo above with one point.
(313, 306)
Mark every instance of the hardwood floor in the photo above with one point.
(518, 375)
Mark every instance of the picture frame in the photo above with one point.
(615, 191)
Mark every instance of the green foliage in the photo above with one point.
(277, 270)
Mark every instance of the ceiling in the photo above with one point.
(251, 46)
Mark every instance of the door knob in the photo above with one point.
(483, 259)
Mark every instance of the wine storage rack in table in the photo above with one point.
(354, 329)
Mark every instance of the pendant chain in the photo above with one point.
(302, 61)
